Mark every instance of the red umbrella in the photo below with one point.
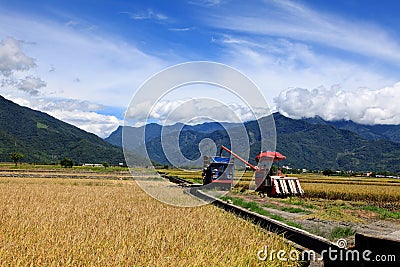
(271, 155)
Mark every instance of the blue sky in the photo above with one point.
(82, 61)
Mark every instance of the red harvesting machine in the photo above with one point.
(271, 185)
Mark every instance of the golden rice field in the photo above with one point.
(331, 187)
(377, 190)
(94, 222)
(352, 192)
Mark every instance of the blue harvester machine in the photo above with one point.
(219, 172)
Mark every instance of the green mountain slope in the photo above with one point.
(44, 139)
(153, 130)
(370, 132)
(316, 146)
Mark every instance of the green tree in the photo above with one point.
(66, 163)
(16, 157)
(327, 172)
(105, 165)
(273, 170)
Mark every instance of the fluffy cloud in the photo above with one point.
(99, 124)
(44, 76)
(362, 105)
(83, 114)
(304, 48)
(31, 85)
(12, 57)
(15, 68)
(102, 61)
(194, 111)
(14, 63)
(278, 64)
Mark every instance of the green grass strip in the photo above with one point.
(254, 207)
(340, 232)
(384, 213)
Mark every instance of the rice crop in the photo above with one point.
(352, 192)
(377, 191)
(84, 222)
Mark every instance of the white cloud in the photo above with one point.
(148, 14)
(274, 43)
(194, 111)
(181, 29)
(48, 104)
(31, 85)
(14, 63)
(362, 105)
(206, 3)
(288, 19)
(99, 124)
(12, 58)
(284, 44)
(109, 69)
(278, 64)
(83, 114)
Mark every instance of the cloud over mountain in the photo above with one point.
(194, 111)
(363, 105)
(83, 114)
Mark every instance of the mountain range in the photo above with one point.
(307, 143)
(370, 132)
(42, 138)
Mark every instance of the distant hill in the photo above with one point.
(321, 146)
(45, 139)
(154, 130)
(370, 132)
(306, 144)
